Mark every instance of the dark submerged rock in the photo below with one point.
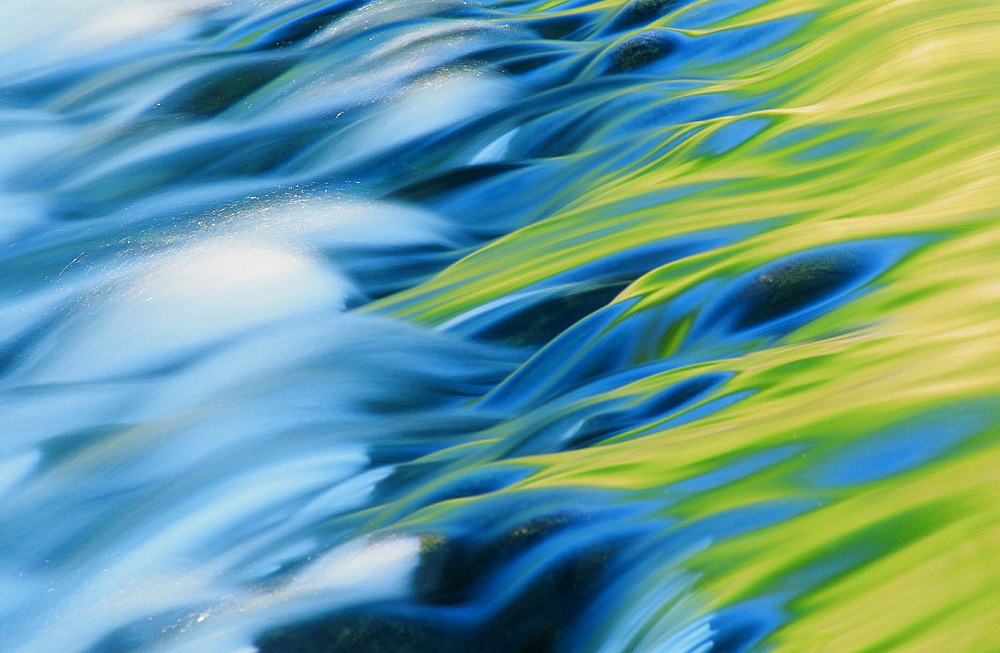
(454, 570)
(357, 631)
(793, 286)
(457, 608)
(639, 51)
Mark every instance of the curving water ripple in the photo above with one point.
(429, 325)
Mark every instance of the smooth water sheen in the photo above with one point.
(429, 325)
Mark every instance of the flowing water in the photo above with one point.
(430, 325)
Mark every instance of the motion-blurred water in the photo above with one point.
(428, 325)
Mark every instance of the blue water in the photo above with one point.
(219, 430)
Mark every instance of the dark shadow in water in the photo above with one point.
(541, 317)
(740, 627)
(647, 411)
(639, 13)
(452, 180)
(290, 32)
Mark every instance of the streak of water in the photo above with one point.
(420, 325)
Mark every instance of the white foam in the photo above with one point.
(216, 510)
(44, 32)
(367, 570)
(343, 223)
(358, 571)
(430, 104)
(184, 299)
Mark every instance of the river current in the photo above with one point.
(426, 325)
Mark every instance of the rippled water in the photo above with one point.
(426, 325)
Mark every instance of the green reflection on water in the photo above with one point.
(885, 125)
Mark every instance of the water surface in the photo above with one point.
(421, 325)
